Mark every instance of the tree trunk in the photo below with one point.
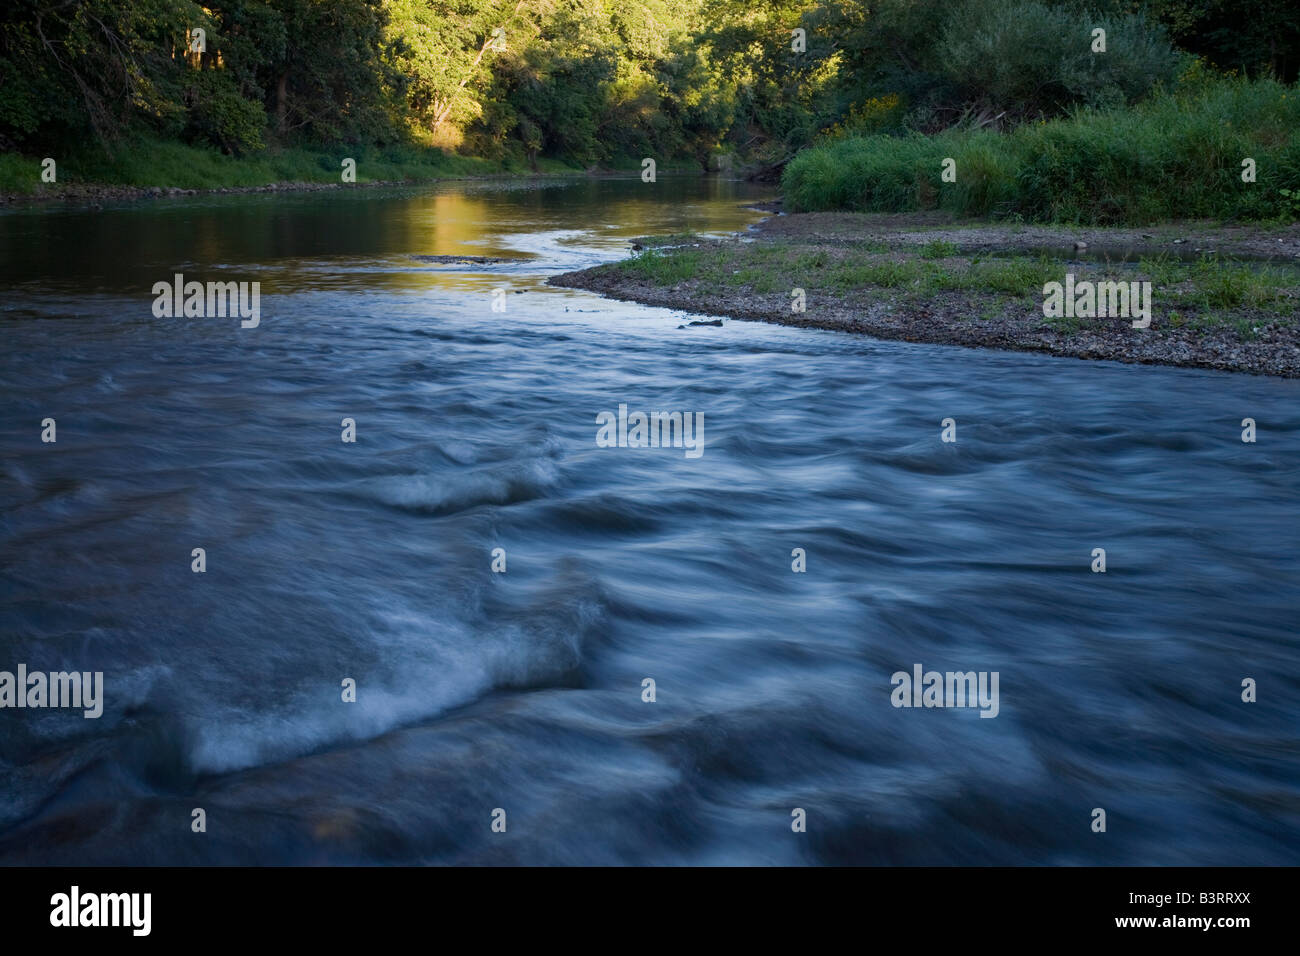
(442, 114)
(282, 101)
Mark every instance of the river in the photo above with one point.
(523, 690)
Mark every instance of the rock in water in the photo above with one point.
(461, 260)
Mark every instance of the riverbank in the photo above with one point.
(146, 169)
(93, 193)
(1223, 297)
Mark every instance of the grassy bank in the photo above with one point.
(1177, 155)
(1203, 293)
(1211, 310)
(149, 162)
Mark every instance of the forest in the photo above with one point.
(704, 84)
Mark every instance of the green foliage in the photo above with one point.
(1030, 58)
(1207, 293)
(93, 66)
(581, 81)
(938, 249)
(19, 174)
(218, 115)
(1176, 155)
(663, 268)
(147, 161)
(1258, 39)
(878, 114)
(1292, 205)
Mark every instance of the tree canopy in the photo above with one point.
(594, 81)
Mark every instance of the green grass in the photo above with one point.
(662, 268)
(813, 260)
(1206, 293)
(774, 265)
(1177, 155)
(938, 249)
(149, 162)
(18, 174)
(1162, 269)
(886, 274)
(1224, 284)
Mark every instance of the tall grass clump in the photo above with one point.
(1176, 154)
(663, 268)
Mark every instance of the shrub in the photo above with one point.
(220, 116)
(1025, 58)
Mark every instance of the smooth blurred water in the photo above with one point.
(476, 430)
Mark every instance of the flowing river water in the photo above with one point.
(477, 691)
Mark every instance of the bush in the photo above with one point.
(879, 114)
(219, 115)
(1025, 58)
